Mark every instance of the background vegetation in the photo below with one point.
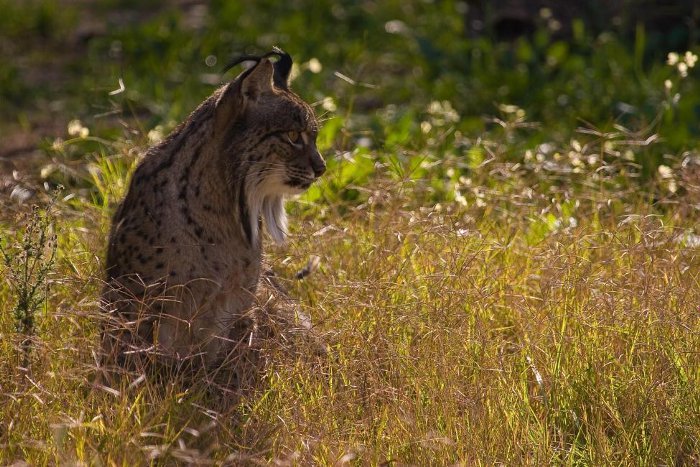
(507, 233)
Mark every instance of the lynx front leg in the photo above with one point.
(225, 325)
(190, 326)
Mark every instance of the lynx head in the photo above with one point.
(267, 137)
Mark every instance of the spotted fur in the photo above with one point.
(184, 254)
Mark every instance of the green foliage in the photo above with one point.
(397, 56)
(28, 262)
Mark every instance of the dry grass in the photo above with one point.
(452, 337)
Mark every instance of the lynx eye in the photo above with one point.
(294, 137)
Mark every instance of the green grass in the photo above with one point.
(507, 275)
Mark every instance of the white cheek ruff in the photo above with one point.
(275, 217)
(267, 201)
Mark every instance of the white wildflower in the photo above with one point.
(328, 104)
(76, 128)
(315, 66)
(465, 181)
(690, 58)
(396, 26)
(57, 144)
(156, 135)
(460, 199)
(665, 171)
(672, 186)
(672, 58)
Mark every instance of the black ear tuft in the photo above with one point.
(282, 67)
(241, 59)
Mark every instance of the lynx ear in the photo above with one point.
(228, 107)
(239, 93)
(257, 81)
(282, 68)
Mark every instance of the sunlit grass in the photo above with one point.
(452, 337)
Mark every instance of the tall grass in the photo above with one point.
(452, 337)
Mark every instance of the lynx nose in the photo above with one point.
(320, 169)
(318, 165)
